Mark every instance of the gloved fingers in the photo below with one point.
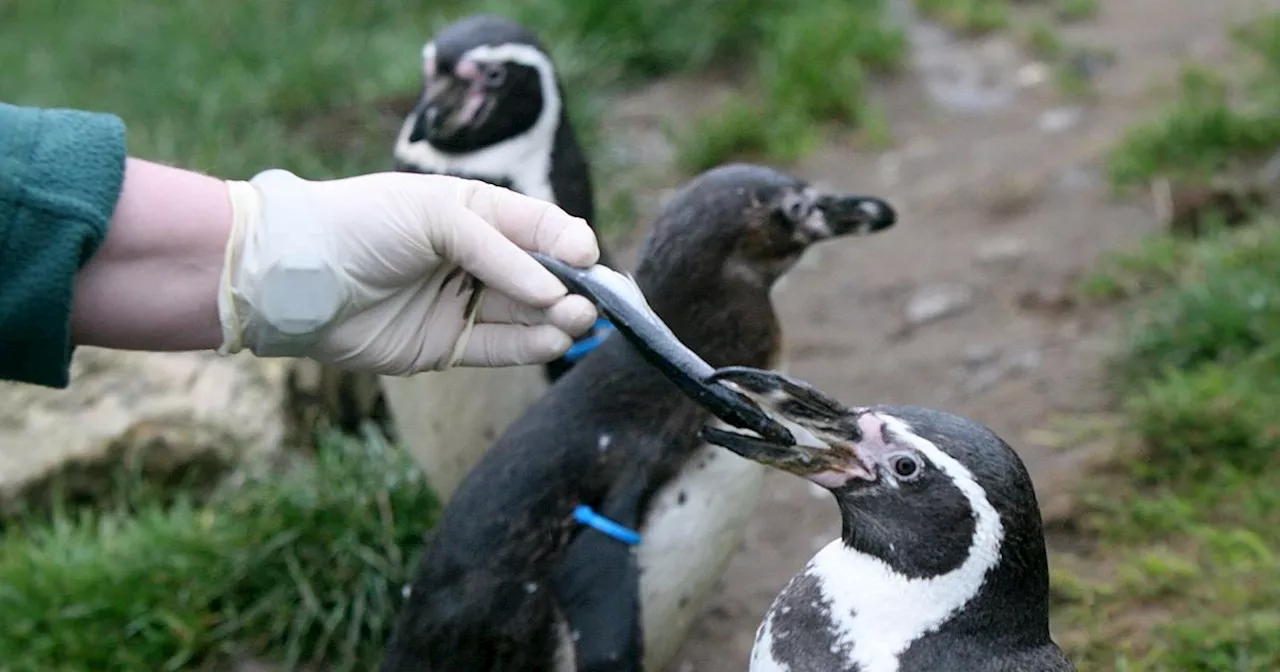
(534, 224)
(574, 314)
(472, 243)
(499, 308)
(513, 345)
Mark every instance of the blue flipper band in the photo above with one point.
(584, 347)
(583, 514)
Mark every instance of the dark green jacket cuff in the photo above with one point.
(61, 172)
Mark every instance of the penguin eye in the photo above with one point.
(905, 467)
(494, 76)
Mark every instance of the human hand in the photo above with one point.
(398, 273)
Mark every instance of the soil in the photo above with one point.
(969, 304)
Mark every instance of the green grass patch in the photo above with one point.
(302, 566)
(812, 69)
(1215, 122)
(1191, 520)
(968, 16)
(1184, 571)
(1077, 10)
(321, 87)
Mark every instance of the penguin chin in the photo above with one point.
(455, 127)
(452, 112)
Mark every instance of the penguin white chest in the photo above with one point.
(695, 523)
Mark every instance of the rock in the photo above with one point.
(169, 415)
(1026, 361)
(993, 370)
(999, 251)
(980, 354)
(984, 379)
(1012, 195)
(1033, 74)
(1059, 119)
(1047, 298)
(1075, 179)
(935, 302)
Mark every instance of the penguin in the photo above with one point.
(941, 562)
(493, 109)
(586, 536)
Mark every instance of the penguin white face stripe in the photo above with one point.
(429, 60)
(880, 612)
(524, 160)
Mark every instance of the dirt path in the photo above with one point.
(1002, 210)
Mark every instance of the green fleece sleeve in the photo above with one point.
(61, 172)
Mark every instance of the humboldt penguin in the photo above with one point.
(586, 536)
(941, 563)
(493, 109)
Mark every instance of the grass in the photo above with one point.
(968, 16)
(321, 88)
(1077, 10)
(299, 567)
(1217, 122)
(1189, 522)
(813, 67)
(1183, 572)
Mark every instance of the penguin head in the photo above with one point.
(922, 491)
(732, 227)
(753, 222)
(486, 80)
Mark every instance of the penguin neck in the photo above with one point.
(724, 320)
(995, 601)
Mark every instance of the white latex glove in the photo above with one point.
(378, 273)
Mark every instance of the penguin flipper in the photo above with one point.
(597, 585)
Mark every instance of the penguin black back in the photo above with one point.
(508, 572)
(941, 563)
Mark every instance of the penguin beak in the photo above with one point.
(620, 299)
(449, 105)
(858, 215)
(827, 438)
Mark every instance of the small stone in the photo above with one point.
(1047, 298)
(1032, 74)
(984, 379)
(1074, 179)
(1029, 360)
(1059, 119)
(935, 302)
(1001, 250)
(980, 354)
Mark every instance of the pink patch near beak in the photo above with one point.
(862, 466)
(470, 72)
(471, 105)
(467, 70)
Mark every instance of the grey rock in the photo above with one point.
(934, 302)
